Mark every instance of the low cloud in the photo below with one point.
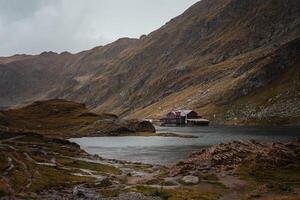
(33, 26)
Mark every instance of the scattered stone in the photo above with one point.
(133, 196)
(85, 193)
(105, 183)
(190, 180)
(228, 156)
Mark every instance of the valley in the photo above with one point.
(88, 125)
(233, 61)
(38, 162)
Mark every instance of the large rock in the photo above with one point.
(140, 126)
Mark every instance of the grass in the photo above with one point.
(65, 119)
(182, 193)
(56, 118)
(3, 162)
(156, 181)
(44, 177)
(208, 177)
(111, 193)
(147, 190)
(162, 194)
(143, 167)
(283, 179)
(3, 188)
(47, 177)
(41, 177)
(89, 165)
(51, 146)
(17, 179)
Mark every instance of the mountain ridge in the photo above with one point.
(214, 58)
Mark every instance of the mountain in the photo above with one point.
(234, 61)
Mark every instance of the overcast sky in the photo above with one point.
(34, 26)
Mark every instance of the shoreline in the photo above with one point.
(137, 134)
(219, 168)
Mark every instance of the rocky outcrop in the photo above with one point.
(229, 156)
(140, 126)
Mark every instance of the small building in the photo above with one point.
(184, 117)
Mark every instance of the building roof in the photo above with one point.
(184, 112)
(181, 112)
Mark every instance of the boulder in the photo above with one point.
(140, 126)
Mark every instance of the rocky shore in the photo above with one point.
(248, 169)
(231, 155)
(33, 166)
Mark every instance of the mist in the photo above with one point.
(34, 26)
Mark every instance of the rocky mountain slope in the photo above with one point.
(235, 61)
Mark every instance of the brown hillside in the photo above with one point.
(66, 119)
(236, 61)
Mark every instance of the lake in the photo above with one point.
(169, 150)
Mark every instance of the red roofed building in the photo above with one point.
(184, 117)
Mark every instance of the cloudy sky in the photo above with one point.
(34, 26)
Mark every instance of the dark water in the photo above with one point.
(163, 150)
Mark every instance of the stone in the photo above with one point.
(81, 192)
(134, 196)
(228, 156)
(105, 183)
(190, 179)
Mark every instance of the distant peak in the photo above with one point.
(65, 53)
(48, 53)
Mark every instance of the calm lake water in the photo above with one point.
(169, 150)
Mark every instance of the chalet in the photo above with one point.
(184, 117)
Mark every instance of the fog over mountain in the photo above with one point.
(34, 26)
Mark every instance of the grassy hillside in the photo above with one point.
(66, 119)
